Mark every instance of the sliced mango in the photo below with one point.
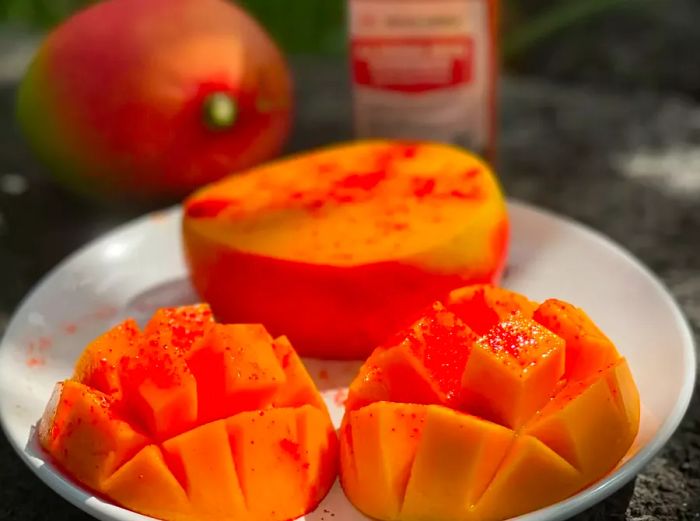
(531, 426)
(205, 422)
(160, 392)
(482, 306)
(531, 476)
(383, 438)
(393, 375)
(179, 327)
(318, 451)
(512, 371)
(274, 461)
(422, 364)
(98, 365)
(82, 434)
(236, 370)
(464, 451)
(204, 462)
(146, 485)
(299, 388)
(588, 350)
(591, 424)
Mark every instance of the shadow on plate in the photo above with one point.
(176, 292)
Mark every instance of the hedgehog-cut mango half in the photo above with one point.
(488, 407)
(193, 420)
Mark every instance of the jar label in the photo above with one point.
(422, 69)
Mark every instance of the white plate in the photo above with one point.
(139, 267)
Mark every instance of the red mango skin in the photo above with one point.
(336, 312)
(112, 102)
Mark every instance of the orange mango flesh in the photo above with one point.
(525, 433)
(299, 388)
(361, 237)
(483, 306)
(97, 366)
(407, 370)
(466, 448)
(587, 349)
(146, 485)
(278, 463)
(84, 435)
(202, 461)
(600, 416)
(512, 371)
(382, 454)
(203, 415)
(235, 368)
(531, 476)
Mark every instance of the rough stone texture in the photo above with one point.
(638, 43)
(628, 166)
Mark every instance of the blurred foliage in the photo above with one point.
(318, 26)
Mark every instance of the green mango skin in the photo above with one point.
(114, 99)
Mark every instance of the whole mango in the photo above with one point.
(150, 99)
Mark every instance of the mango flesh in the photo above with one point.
(525, 433)
(422, 365)
(482, 306)
(205, 421)
(512, 371)
(113, 100)
(361, 237)
(588, 350)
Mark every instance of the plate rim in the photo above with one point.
(566, 508)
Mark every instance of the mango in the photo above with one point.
(535, 420)
(341, 247)
(424, 364)
(512, 371)
(382, 455)
(482, 306)
(588, 350)
(98, 366)
(205, 421)
(84, 436)
(152, 99)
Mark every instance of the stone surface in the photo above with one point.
(627, 165)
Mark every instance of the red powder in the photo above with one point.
(474, 193)
(70, 329)
(208, 207)
(363, 181)
(316, 204)
(35, 361)
(409, 150)
(291, 448)
(423, 187)
(323, 374)
(324, 168)
(472, 173)
(44, 343)
(340, 396)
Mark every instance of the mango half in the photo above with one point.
(487, 407)
(193, 420)
(341, 247)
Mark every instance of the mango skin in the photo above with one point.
(112, 101)
(342, 311)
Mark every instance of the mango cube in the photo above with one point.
(512, 371)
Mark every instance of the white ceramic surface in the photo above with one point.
(139, 267)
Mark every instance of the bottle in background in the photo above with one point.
(425, 69)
